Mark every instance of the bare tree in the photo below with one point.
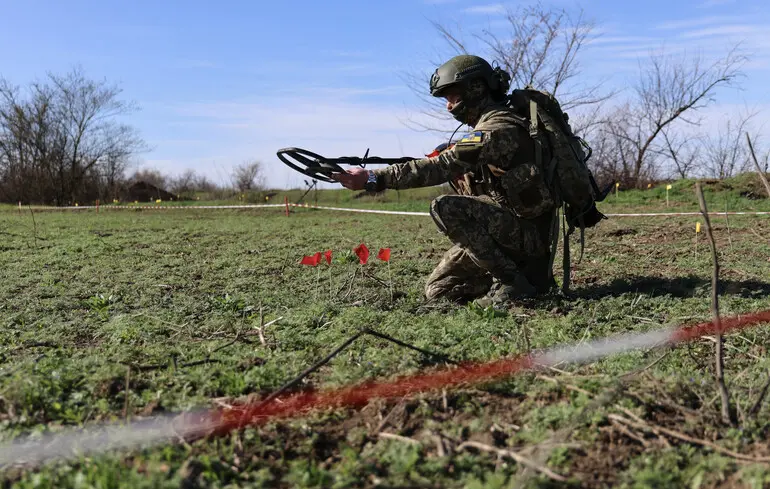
(151, 176)
(540, 47)
(184, 184)
(726, 152)
(615, 154)
(59, 141)
(248, 176)
(113, 175)
(683, 151)
(203, 184)
(670, 90)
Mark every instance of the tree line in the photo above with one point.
(651, 131)
(62, 141)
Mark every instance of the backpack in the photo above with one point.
(567, 174)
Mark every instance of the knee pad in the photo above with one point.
(435, 212)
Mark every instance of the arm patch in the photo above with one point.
(472, 138)
(469, 147)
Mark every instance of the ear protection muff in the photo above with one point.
(499, 82)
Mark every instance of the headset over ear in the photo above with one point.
(499, 83)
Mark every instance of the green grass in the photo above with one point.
(84, 295)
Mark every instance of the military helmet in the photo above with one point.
(464, 68)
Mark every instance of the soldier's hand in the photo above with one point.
(354, 179)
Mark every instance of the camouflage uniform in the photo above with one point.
(501, 226)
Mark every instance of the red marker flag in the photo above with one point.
(362, 252)
(384, 254)
(328, 256)
(311, 260)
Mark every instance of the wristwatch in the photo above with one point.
(371, 182)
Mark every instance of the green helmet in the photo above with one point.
(459, 70)
(476, 79)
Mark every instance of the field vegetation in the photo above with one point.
(126, 314)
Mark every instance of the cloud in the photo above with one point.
(701, 21)
(722, 30)
(622, 40)
(496, 8)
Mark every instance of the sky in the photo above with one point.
(222, 83)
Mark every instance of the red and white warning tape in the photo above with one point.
(365, 211)
(156, 430)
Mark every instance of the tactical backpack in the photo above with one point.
(567, 174)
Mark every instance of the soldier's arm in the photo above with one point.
(427, 172)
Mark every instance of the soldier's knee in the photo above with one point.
(437, 210)
(447, 212)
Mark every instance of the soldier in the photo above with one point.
(501, 220)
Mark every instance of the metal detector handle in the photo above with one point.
(371, 160)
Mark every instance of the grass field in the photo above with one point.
(176, 295)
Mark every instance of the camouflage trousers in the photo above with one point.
(490, 243)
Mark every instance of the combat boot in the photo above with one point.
(502, 293)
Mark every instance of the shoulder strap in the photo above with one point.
(532, 118)
(534, 134)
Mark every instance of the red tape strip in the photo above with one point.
(222, 421)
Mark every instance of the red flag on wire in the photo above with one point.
(384, 254)
(311, 260)
(328, 256)
(362, 252)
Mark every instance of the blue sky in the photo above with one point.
(223, 82)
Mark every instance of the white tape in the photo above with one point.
(71, 443)
(370, 211)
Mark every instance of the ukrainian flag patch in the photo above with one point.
(473, 137)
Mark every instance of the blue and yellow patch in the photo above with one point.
(471, 138)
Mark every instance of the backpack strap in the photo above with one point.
(554, 239)
(582, 225)
(565, 257)
(535, 135)
(532, 118)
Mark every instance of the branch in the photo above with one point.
(686, 438)
(756, 164)
(727, 415)
(762, 393)
(515, 456)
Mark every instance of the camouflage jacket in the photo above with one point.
(496, 159)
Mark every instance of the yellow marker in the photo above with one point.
(649, 185)
(157, 201)
(668, 187)
(267, 198)
(697, 227)
(76, 204)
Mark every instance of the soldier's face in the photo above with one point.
(452, 96)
